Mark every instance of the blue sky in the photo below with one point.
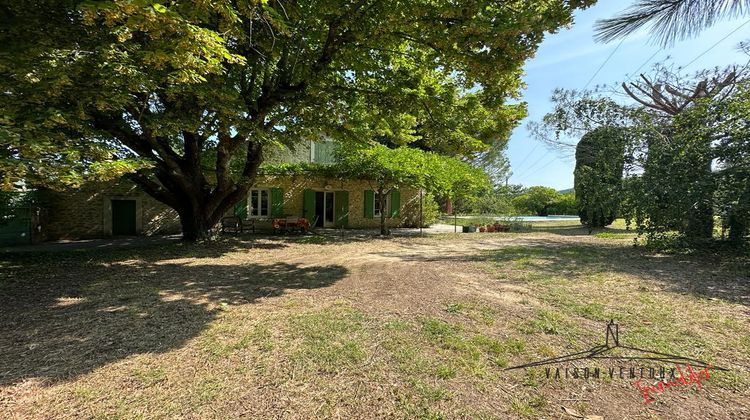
(569, 58)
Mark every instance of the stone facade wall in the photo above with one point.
(293, 189)
(86, 212)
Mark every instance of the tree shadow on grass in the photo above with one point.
(147, 248)
(578, 230)
(63, 319)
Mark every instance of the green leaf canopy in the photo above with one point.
(173, 92)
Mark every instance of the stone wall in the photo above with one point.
(293, 188)
(86, 212)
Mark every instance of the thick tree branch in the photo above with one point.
(154, 189)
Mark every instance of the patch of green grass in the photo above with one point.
(209, 388)
(514, 346)
(84, 392)
(396, 325)
(476, 311)
(225, 338)
(745, 344)
(614, 235)
(571, 304)
(466, 352)
(531, 377)
(431, 393)
(730, 379)
(150, 376)
(528, 407)
(331, 339)
(523, 263)
(445, 371)
(438, 329)
(546, 322)
(455, 308)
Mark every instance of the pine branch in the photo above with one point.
(669, 20)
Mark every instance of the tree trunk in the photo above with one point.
(701, 222)
(195, 227)
(381, 204)
(738, 217)
(701, 216)
(737, 229)
(199, 203)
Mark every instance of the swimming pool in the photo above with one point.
(551, 218)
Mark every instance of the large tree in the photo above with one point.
(685, 155)
(174, 93)
(679, 149)
(600, 160)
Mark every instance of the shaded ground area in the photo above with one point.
(357, 326)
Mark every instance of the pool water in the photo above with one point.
(551, 218)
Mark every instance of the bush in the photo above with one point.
(430, 212)
(536, 200)
(566, 204)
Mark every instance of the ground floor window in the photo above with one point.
(259, 203)
(386, 204)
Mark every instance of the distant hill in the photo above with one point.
(568, 191)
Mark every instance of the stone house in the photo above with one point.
(121, 208)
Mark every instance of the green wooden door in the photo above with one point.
(123, 217)
(341, 206)
(15, 227)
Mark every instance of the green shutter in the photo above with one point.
(369, 204)
(395, 203)
(308, 204)
(324, 152)
(341, 208)
(277, 202)
(240, 209)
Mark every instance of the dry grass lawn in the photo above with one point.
(305, 327)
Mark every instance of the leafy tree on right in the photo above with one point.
(600, 158)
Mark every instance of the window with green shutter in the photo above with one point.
(341, 206)
(277, 202)
(240, 209)
(324, 152)
(395, 203)
(308, 204)
(258, 203)
(369, 204)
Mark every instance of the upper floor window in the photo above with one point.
(259, 204)
(323, 152)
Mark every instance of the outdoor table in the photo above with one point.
(281, 225)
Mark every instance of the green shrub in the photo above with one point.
(430, 212)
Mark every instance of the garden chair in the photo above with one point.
(231, 224)
(313, 225)
(291, 223)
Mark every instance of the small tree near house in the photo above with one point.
(387, 170)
